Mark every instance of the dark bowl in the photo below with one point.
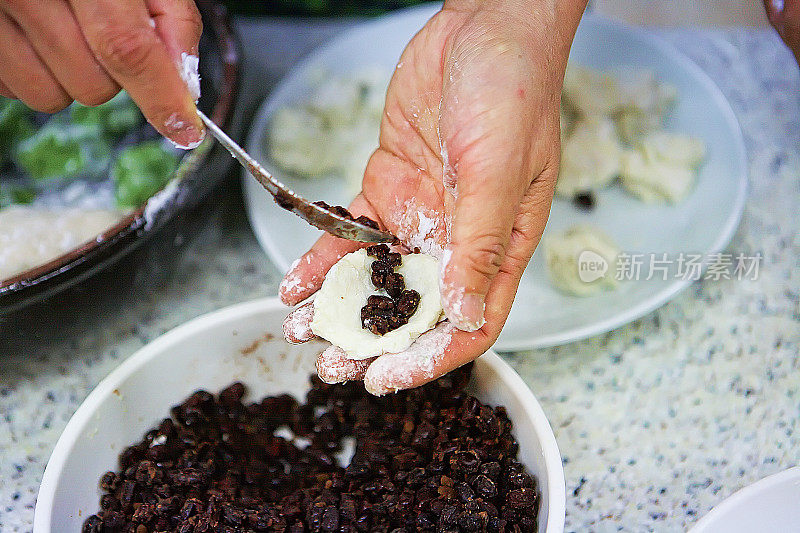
(200, 171)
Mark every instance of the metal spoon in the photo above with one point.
(315, 215)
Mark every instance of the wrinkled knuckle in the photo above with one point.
(485, 255)
(517, 262)
(194, 19)
(95, 96)
(124, 50)
(19, 7)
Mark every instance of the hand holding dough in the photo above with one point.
(464, 170)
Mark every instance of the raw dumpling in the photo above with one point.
(300, 142)
(642, 90)
(334, 131)
(589, 92)
(590, 158)
(673, 148)
(644, 103)
(348, 284)
(635, 99)
(655, 181)
(662, 168)
(582, 261)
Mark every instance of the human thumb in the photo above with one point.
(480, 233)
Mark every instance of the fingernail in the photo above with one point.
(333, 366)
(466, 311)
(184, 133)
(377, 388)
(297, 326)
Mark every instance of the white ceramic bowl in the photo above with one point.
(770, 504)
(244, 343)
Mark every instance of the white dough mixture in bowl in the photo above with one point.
(348, 284)
(32, 236)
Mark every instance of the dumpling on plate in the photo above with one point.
(590, 157)
(300, 142)
(673, 148)
(589, 92)
(663, 167)
(582, 261)
(334, 130)
(644, 103)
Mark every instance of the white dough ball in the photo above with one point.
(590, 157)
(582, 261)
(348, 284)
(656, 180)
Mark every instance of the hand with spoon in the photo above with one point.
(465, 170)
(55, 51)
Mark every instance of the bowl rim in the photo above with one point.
(554, 471)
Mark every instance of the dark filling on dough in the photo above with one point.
(383, 314)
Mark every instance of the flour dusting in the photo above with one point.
(443, 262)
(418, 227)
(297, 326)
(292, 279)
(452, 301)
(448, 172)
(333, 366)
(452, 295)
(173, 123)
(393, 372)
(158, 202)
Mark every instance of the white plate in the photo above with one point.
(541, 316)
(772, 504)
(245, 343)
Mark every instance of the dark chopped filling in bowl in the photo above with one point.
(429, 459)
(383, 314)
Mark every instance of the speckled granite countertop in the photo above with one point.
(657, 421)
